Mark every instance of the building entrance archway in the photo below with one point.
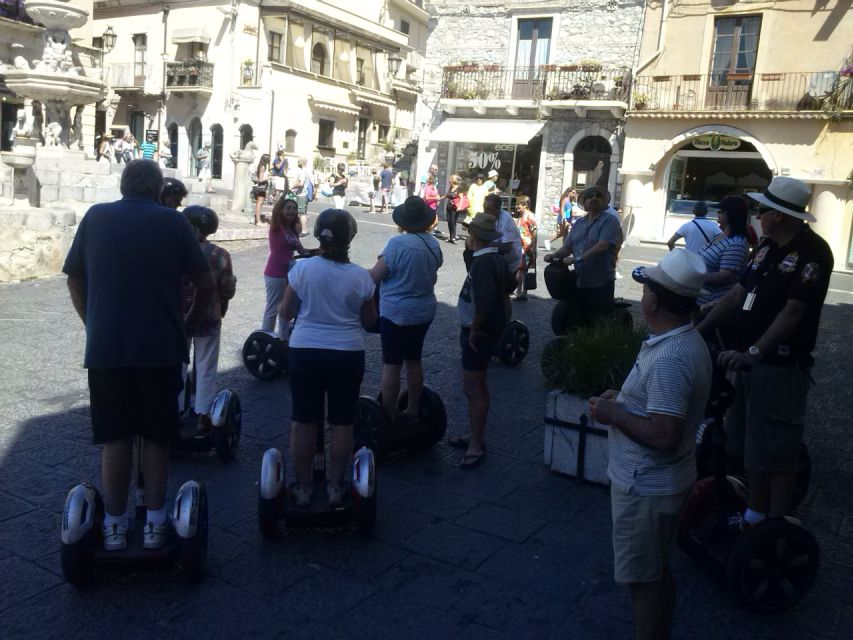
(195, 135)
(216, 139)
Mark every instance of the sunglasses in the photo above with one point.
(762, 210)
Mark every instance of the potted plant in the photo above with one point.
(548, 67)
(248, 70)
(469, 66)
(589, 64)
(492, 67)
(568, 67)
(640, 100)
(585, 363)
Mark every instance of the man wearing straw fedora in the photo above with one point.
(776, 306)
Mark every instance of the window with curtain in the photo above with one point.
(367, 75)
(534, 42)
(318, 59)
(343, 57)
(735, 47)
(274, 49)
(295, 54)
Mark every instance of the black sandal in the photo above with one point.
(472, 460)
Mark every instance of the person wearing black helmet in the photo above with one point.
(334, 300)
(174, 191)
(206, 335)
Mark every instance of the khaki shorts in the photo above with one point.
(765, 423)
(645, 530)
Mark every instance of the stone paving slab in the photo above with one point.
(508, 550)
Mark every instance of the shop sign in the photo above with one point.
(716, 142)
(488, 159)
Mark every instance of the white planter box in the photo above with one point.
(574, 443)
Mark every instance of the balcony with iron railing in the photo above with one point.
(14, 10)
(190, 76)
(127, 75)
(541, 83)
(802, 92)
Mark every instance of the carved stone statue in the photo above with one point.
(53, 137)
(22, 126)
(242, 161)
(77, 127)
(21, 63)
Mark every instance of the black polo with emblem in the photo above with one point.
(798, 271)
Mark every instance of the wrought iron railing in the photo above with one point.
(14, 10)
(189, 73)
(128, 74)
(808, 91)
(545, 82)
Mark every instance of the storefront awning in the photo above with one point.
(486, 130)
(191, 34)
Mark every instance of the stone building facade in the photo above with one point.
(557, 71)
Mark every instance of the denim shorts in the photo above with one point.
(317, 375)
(401, 342)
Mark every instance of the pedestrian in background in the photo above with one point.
(476, 196)
(699, 232)
(406, 271)
(653, 421)
(526, 222)
(149, 148)
(303, 189)
(564, 213)
(278, 175)
(431, 196)
(339, 183)
(386, 180)
(457, 205)
(726, 256)
(261, 179)
(204, 171)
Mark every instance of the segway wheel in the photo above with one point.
(773, 565)
(264, 355)
(552, 356)
(563, 318)
(365, 517)
(369, 428)
(77, 559)
(226, 438)
(433, 415)
(269, 515)
(194, 549)
(514, 344)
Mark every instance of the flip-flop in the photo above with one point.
(461, 442)
(471, 460)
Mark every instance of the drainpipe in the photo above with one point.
(258, 45)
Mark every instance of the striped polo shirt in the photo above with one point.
(672, 376)
(726, 254)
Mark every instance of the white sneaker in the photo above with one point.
(155, 535)
(115, 537)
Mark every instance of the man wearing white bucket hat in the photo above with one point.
(776, 307)
(653, 422)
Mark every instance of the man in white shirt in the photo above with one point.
(301, 189)
(510, 241)
(699, 232)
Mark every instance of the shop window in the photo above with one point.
(290, 141)
(326, 135)
(274, 51)
(140, 44)
(318, 59)
(382, 136)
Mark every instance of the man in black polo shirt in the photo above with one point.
(777, 304)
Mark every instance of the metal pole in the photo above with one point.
(511, 174)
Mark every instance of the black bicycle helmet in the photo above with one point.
(172, 187)
(202, 218)
(335, 225)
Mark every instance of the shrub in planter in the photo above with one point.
(577, 366)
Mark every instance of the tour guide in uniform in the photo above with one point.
(776, 305)
(653, 423)
(591, 246)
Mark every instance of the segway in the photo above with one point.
(82, 554)
(768, 567)
(561, 283)
(265, 355)
(276, 505)
(373, 429)
(513, 344)
(226, 415)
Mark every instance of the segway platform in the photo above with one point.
(226, 415)
(82, 552)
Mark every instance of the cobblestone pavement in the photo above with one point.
(507, 550)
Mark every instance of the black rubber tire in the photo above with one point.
(194, 550)
(269, 516)
(773, 565)
(514, 344)
(365, 517)
(226, 439)
(369, 427)
(563, 318)
(78, 560)
(264, 356)
(433, 413)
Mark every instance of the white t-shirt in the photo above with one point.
(699, 233)
(505, 225)
(331, 295)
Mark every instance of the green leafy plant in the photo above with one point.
(641, 100)
(592, 359)
(589, 64)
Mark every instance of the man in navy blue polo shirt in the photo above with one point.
(125, 271)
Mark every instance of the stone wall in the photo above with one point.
(33, 243)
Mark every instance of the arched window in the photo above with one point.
(318, 59)
(173, 145)
(246, 135)
(216, 159)
(195, 136)
(592, 163)
(290, 141)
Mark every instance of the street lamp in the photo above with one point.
(394, 62)
(109, 39)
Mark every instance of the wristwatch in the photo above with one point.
(753, 351)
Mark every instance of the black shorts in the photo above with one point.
(318, 374)
(477, 360)
(401, 342)
(135, 401)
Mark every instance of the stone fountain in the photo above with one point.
(56, 80)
